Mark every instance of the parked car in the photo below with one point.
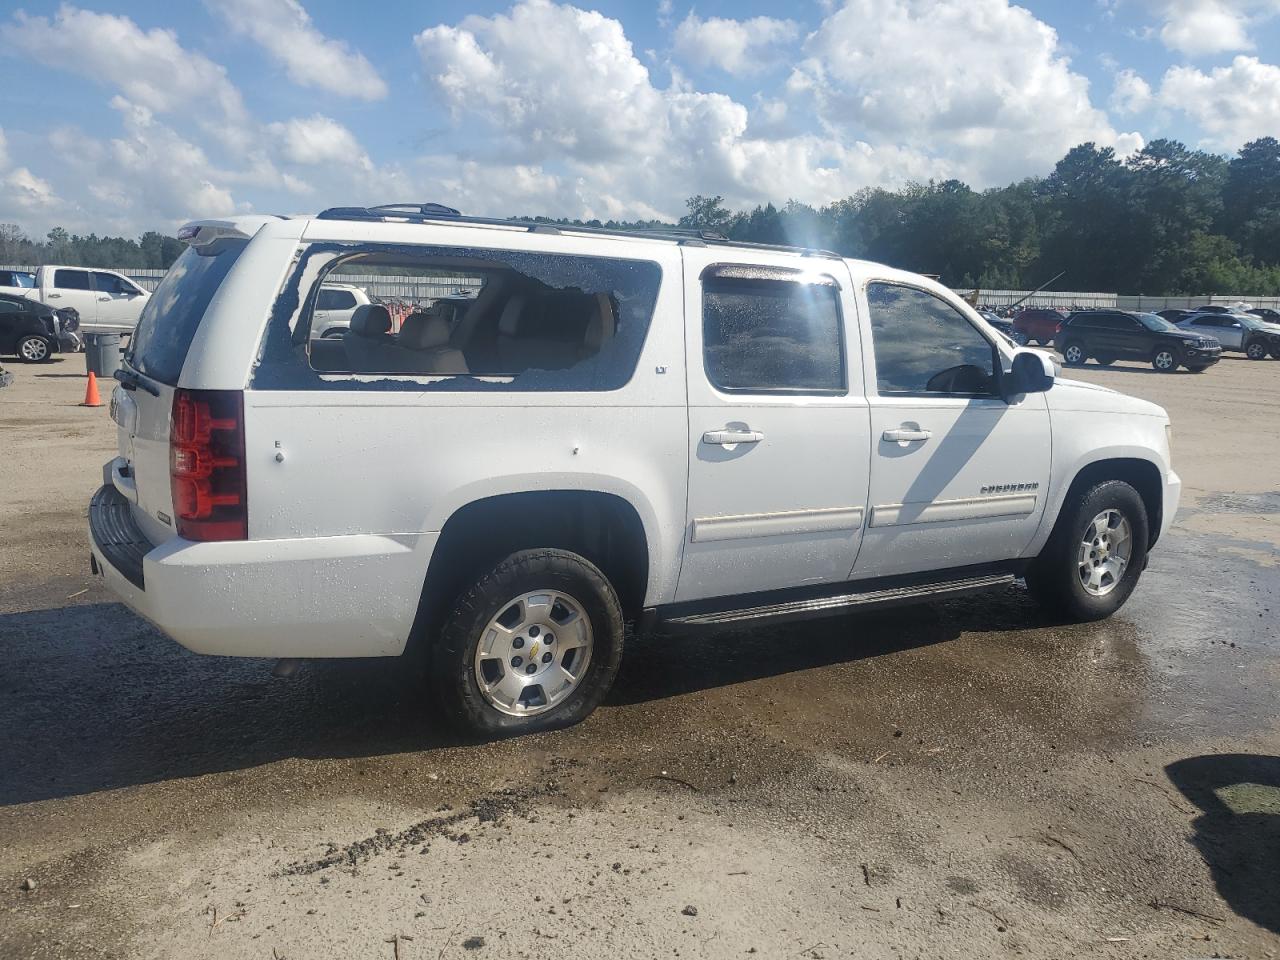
(106, 301)
(1037, 326)
(28, 329)
(617, 428)
(1111, 335)
(1238, 332)
(1266, 313)
(335, 303)
(1003, 324)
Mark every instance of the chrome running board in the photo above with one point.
(809, 607)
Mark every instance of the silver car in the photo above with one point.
(1238, 332)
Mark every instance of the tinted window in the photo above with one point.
(170, 318)
(71, 279)
(110, 283)
(764, 335)
(924, 345)
(335, 300)
(463, 319)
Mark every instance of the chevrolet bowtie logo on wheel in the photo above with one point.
(533, 650)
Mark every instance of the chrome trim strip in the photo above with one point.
(824, 604)
(938, 511)
(747, 525)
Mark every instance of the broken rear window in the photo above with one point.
(462, 319)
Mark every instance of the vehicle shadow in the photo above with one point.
(1127, 366)
(93, 698)
(1238, 833)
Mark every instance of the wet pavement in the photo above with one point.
(957, 779)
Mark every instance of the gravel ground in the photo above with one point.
(956, 780)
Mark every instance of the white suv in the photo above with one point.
(335, 305)
(665, 429)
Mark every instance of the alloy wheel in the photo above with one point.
(1104, 552)
(534, 653)
(34, 350)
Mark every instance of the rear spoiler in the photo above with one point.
(200, 233)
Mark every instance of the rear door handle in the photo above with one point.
(104, 299)
(904, 435)
(728, 438)
(54, 296)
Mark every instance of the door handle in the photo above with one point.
(728, 438)
(104, 299)
(54, 296)
(904, 435)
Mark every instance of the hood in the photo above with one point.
(1067, 394)
(1188, 335)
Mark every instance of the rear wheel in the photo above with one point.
(33, 349)
(1073, 353)
(1096, 554)
(533, 645)
(1164, 360)
(1256, 351)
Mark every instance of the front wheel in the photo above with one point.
(533, 645)
(1256, 351)
(1095, 555)
(1074, 354)
(34, 349)
(1164, 361)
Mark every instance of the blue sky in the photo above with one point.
(138, 114)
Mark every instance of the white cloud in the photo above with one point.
(576, 119)
(734, 46)
(149, 67)
(940, 75)
(319, 140)
(1234, 104)
(284, 29)
(29, 191)
(1131, 94)
(1202, 27)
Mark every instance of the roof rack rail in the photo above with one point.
(439, 213)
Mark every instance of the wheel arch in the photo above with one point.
(601, 526)
(1142, 474)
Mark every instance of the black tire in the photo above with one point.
(1071, 357)
(1256, 350)
(34, 349)
(1105, 361)
(1054, 578)
(453, 655)
(1164, 360)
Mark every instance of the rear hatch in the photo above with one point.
(143, 403)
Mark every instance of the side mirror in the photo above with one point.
(1031, 372)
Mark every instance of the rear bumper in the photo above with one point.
(349, 596)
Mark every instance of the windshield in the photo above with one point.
(1152, 322)
(1248, 320)
(169, 320)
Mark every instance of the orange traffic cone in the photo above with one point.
(91, 398)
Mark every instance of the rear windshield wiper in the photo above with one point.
(131, 381)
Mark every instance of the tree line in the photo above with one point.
(151, 250)
(1167, 220)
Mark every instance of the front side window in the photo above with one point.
(924, 346)
(461, 319)
(71, 279)
(762, 333)
(110, 283)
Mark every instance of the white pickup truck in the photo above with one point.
(107, 302)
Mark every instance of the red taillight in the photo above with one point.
(206, 464)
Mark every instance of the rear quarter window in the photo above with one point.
(171, 317)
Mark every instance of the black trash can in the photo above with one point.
(102, 354)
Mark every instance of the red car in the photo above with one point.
(1037, 326)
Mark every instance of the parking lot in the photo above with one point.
(960, 779)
